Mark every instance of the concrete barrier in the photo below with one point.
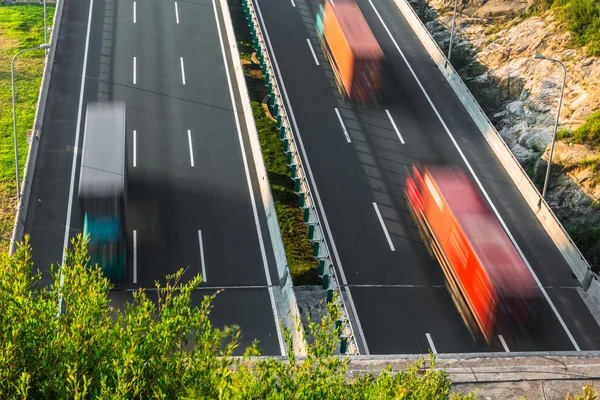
(38, 122)
(293, 150)
(551, 224)
(289, 314)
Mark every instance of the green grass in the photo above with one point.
(21, 27)
(588, 133)
(294, 232)
(582, 17)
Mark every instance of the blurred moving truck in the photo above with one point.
(352, 50)
(490, 284)
(102, 187)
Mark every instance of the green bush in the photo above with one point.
(583, 19)
(588, 133)
(166, 349)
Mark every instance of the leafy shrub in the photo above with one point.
(583, 19)
(164, 349)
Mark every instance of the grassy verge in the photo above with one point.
(21, 27)
(294, 231)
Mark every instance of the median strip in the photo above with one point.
(294, 232)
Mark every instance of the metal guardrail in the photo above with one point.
(321, 252)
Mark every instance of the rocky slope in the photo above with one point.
(520, 94)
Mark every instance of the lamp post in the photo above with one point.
(541, 57)
(44, 46)
(45, 27)
(452, 30)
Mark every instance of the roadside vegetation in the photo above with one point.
(588, 133)
(583, 19)
(21, 27)
(165, 349)
(294, 232)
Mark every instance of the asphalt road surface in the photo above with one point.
(359, 157)
(192, 192)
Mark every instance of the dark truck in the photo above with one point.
(102, 187)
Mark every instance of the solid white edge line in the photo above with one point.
(504, 343)
(431, 345)
(134, 70)
(202, 256)
(251, 190)
(385, 231)
(342, 124)
(134, 256)
(176, 13)
(312, 51)
(191, 149)
(134, 12)
(134, 148)
(314, 187)
(394, 125)
(182, 70)
(74, 164)
(293, 4)
(487, 197)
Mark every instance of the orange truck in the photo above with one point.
(489, 283)
(352, 50)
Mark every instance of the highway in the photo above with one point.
(192, 193)
(359, 158)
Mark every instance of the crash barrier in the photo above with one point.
(38, 122)
(285, 297)
(532, 196)
(326, 269)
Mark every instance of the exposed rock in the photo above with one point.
(494, 8)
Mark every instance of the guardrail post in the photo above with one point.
(293, 171)
(321, 268)
(325, 282)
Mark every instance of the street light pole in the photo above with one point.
(452, 30)
(45, 27)
(14, 107)
(541, 57)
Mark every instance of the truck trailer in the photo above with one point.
(102, 187)
(352, 50)
(492, 288)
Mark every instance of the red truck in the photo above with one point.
(352, 50)
(489, 283)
